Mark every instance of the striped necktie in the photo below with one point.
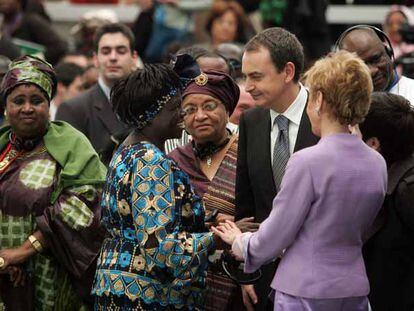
(281, 152)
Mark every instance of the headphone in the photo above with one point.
(381, 35)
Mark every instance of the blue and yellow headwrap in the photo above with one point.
(30, 69)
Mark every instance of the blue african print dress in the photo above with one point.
(157, 252)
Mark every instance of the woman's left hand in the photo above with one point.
(227, 231)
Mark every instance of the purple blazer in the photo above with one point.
(329, 197)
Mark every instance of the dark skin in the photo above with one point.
(165, 125)
(27, 110)
(206, 121)
(368, 46)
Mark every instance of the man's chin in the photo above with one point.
(114, 77)
(262, 104)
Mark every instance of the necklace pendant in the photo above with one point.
(208, 161)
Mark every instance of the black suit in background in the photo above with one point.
(389, 253)
(255, 187)
(91, 113)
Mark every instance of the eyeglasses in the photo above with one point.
(190, 110)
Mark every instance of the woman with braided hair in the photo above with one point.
(156, 255)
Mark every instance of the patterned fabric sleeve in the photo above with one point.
(168, 219)
(72, 228)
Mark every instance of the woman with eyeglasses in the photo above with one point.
(210, 161)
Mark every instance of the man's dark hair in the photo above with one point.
(197, 52)
(283, 47)
(114, 28)
(67, 72)
(391, 120)
(132, 96)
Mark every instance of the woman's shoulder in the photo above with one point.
(182, 154)
(141, 151)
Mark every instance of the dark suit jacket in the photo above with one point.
(91, 113)
(255, 187)
(389, 253)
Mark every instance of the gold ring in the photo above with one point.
(2, 262)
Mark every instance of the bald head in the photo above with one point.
(369, 47)
(359, 37)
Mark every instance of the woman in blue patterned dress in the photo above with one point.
(156, 255)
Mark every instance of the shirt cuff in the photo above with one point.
(239, 246)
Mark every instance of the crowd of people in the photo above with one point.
(244, 173)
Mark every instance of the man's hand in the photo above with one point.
(249, 297)
(247, 224)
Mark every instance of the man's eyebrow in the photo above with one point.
(114, 47)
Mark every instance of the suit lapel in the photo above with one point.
(262, 138)
(305, 136)
(104, 111)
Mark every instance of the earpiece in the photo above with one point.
(381, 35)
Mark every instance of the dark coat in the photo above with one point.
(255, 187)
(389, 253)
(91, 113)
(36, 29)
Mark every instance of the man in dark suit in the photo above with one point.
(272, 62)
(91, 112)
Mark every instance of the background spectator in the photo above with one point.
(388, 253)
(226, 23)
(31, 27)
(395, 18)
(84, 32)
(70, 84)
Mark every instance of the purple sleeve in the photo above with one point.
(290, 208)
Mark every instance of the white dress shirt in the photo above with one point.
(294, 114)
(405, 88)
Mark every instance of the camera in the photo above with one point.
(406, 60)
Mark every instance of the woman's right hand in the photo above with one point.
(17, 275)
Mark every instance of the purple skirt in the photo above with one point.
(285, 302)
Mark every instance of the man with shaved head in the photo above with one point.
(372, 46)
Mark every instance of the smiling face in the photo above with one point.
(371, 50)
(27, 111)
(114, 57)
(205, 118)
(263, 81)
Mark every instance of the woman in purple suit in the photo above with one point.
(329, 197)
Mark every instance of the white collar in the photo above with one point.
(295, 110)
(106, 89)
